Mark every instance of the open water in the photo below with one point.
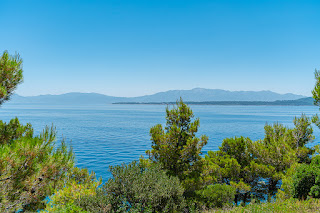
(111, 134)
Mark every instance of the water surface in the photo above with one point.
(111, 134)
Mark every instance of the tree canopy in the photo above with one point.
(10, 75)
(32, 167)
(176, 146)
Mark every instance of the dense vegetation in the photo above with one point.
(32, 167)
(278, 173)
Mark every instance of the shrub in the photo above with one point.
(137, 188)
(289, 205)
(306, 180)
(80, 184)
(217, 195)
(98, 203)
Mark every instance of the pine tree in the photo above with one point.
(176, 146)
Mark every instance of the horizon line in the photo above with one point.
(161, 92)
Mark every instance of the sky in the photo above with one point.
(138, 47)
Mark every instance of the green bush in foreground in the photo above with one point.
(80, 183)
(306, 180)
(290, 205)
(218, 195)
(136, 188)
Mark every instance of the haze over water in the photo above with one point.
(111, 134)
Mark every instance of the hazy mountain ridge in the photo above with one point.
(299, 102)
(194, 95)
(200, 94)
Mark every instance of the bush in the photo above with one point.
(306, 180)
(65, 208)
(289, 205)
(136, 188)
(98, 203)
(303, 181)
(80, 184)
(217, 195)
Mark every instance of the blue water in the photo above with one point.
(111, 134)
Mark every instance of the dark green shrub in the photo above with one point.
(99, 203)
(303, 180)
(136, 188)
(217, 195)
(306, 180)
(315, 191)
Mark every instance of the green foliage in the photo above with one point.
(98, 203)
(316, 97)
(256, 168)
(273, 156)
(65, 208)
(303, 131)
(175, 178)
(232, 164)
(10, 75)
(217, 195)
(303, 181)
(289, 205)
(281, 148)
(286, 191)
(306, 180)
(137, 188)
(31, 168)
(14, 130)
(316, 90)
(80, 183)
(176, 147)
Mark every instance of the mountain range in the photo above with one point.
(193, 95)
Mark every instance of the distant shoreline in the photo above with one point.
(299, 102)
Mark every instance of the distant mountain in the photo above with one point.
(68, 98)
(199, 94)
(194, 95)
(299, 102)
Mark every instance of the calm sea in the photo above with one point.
(111, 134)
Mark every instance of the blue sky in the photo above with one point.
(133, 47)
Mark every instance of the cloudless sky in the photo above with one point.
(136, 47)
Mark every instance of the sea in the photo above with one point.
(104, 135)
